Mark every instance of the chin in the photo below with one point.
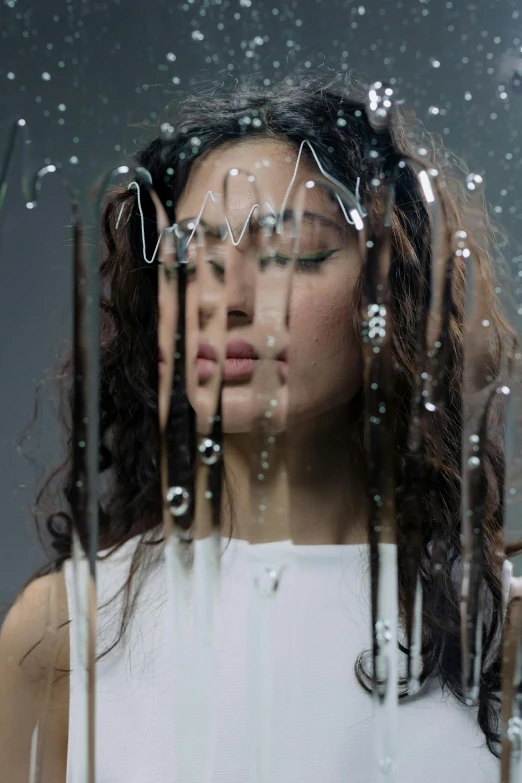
(240, 411)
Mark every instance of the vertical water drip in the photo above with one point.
(434, 370)
(177, 461)
(207, 306)
(85, 468)
(18, 129)
(511, 710)
(379, 418)
(479, 393)
(259, 252)
(85, 455)
(473, 555)
(85, 502)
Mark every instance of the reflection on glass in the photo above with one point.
(304, 369)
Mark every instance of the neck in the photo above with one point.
(314, 492)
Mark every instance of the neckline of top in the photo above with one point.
(285, 545)
(300, 549)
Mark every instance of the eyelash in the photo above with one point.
(313, 261)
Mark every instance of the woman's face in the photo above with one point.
(236, 309)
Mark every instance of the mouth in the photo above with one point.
(206, 362)
(240, 363)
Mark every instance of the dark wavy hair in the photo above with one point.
(332, 117)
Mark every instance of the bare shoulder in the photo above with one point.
(36, 629)
(34, 664)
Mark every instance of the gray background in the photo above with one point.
(110, 78)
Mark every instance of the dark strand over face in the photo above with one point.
(129, 411)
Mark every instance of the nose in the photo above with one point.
(238, 291)
(240, 287)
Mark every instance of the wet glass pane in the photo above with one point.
(260, 431)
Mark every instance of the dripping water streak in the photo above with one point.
(19, 127)
(379, 417)
(207, 555)
(353, 216)
(177, 459)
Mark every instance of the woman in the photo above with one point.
(322, 727)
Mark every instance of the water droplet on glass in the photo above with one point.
(386, 765)
(267, 582)
(178, 499)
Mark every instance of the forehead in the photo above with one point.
(271, 162)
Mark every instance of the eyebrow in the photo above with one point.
(254, 223)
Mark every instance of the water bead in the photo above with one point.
(178, 499)
(267, 582)
(209, 451)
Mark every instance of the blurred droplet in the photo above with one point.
(516, 81)
(474, 182)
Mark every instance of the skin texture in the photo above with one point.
(33, 625)
(324, 360)
(314, 415)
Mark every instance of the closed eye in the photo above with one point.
(311, 261)
(315, 259)
(171, 270)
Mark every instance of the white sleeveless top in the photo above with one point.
(321, 719)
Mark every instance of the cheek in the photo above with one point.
(167, 313)
(325, 358)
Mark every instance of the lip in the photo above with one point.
(206, 362)
(241, 349)
(241, 360)
(207, 351)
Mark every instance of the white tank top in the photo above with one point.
(320, 728)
